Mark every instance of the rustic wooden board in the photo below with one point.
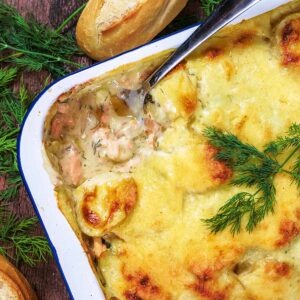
(45, 278)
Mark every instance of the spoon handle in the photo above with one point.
(224, 14)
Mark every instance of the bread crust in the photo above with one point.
(15, 281)
(135, 28)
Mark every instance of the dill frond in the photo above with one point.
(16, 236)
(209, 6)
(292, 139)
(7, 75)
(13, 107)
(252, 169)
(24, 45)
(33, 46)
(234, 152)
(230, 215)
(296, 171)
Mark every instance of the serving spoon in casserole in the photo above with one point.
(226, 12)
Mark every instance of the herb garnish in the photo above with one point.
(24, 45)
(252, 168)
(17, 241)
(12, 107)
(28, 44)
(209, 6)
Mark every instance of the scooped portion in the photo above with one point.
(97, 133)
(89, 130)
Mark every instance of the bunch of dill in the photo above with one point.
(25, 45)
(16, 239)
(30, 45)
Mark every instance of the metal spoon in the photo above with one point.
(226, 12)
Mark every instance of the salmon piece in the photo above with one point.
(71, 166)
(59, 123)
(63, 108)
(120, 150)
(153, 130)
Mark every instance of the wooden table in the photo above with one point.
(45, 278)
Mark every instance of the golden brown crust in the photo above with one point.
(133, 29)
(122, 197)
(15, 280)
(288, 231)
(289, 36)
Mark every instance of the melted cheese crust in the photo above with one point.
(240, 82)
(104, 202)
(246, 80)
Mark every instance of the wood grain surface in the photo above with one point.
(46, 278)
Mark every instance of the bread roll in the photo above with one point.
(109, 27)
(13, 284)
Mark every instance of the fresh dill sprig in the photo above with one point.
(6, 77)
(252, 168)
(16, 238)
(282, 143)
(24, 45)
(209, 6)
(13, 107)
(70, 17)
(30, 45)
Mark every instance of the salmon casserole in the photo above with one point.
(198, 198)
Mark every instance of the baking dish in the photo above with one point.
(70, 256)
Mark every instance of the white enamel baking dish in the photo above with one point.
(67, 251)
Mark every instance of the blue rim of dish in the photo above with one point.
(55, 255)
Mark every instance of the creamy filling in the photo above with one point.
(98, 132)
